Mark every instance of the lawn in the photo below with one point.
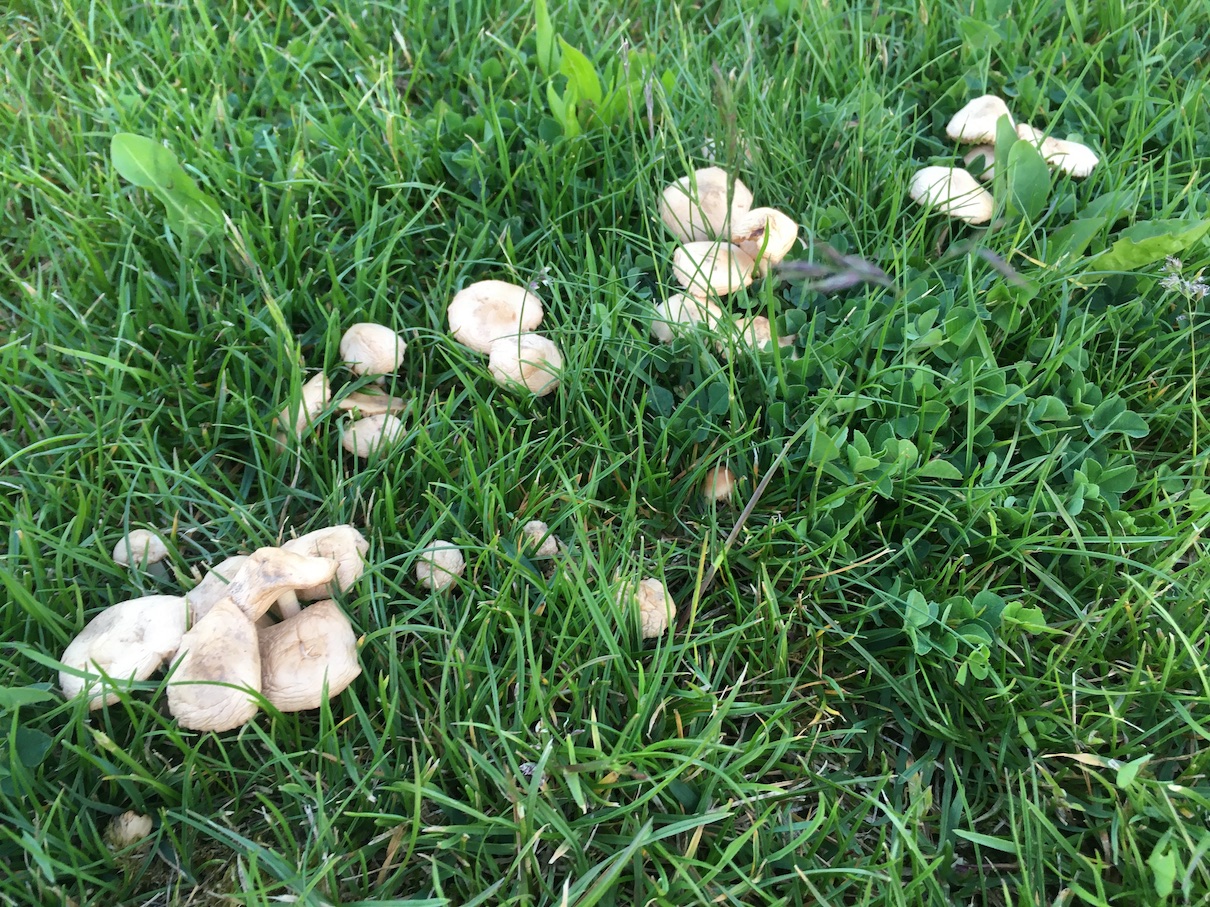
(945, 643)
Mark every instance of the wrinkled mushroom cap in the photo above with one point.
(372, 349)
(975, 124)
(697, 207)
(127, 829)
(537, 537)
(530, 361)
(127, 641)
(364, 437)
(719, 484)
(655, 606)
(214, 586)
(985, 153)
(703, 268)
(344, 545)
(681, 314)
(438, 565)
(140, 548)
(952, 191)
(272, 573)
(766, 234)
(300, 654)
(491, 309)
(216, 672)
(1071, 158)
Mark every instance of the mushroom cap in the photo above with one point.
(302, 653)
(297, 415)
(127, 829)
(343, 545)
(364, 437)
(438, 565)
(681, 314)
(529, 360)
(537, 537)
(695, 208)
(975, 124)
(766, 234)
(214, 586)
(986, 153)
(491, 309)
(140, 548)
(217, 672)
(952, 191)
(127, 641)
(372, 349)
(755, 332)
(712, 267)
(270, 573)
(1071, 158)
(654, 604)
(719, 484)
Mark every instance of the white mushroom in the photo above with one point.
(975, 124)
(294, 419)
(681, 314)
(214, 586)
(654, 605)
(491, 309)
(274, 575)
(372, 349)
(300, 655)
(952, 191)
(712, 267)
(140, 549)
(719, 484)
(701, 206)
(438, 565)
(365, 437)
(217, 673)
(530, 361)
(1071, 158)
(755, 332)
(766, 234)
(538, 539)
(982, 160)
(344, 545)
(126, 830)
(127, 641)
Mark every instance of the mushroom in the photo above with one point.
(344, 545)
(719, 484)
(766, 234)
(214, 586)
(654, 604)
(755, 332)
(372, 349)
(681, 313)
(984, 155)
(140, 549)
(126, 830)
(364, 437)
(370, 404)
(438, 565)
(274, 575)
(490, 309)
(293, 420)
(529, 360)
(699, 207)
(127, 642)
(712, 267)
(300, 655)
(216, 676)
(537, 537)
(1071, 158)
(952, 191)
(975, 124)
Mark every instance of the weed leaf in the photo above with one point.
(1150, 241)
(192, 215)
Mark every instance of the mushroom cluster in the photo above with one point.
(500, 320)
(226, 653)
(368, 350)
(725, 245)
(955, 192)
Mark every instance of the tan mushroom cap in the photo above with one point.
(217, 672)
(372, 349)
(975, 124)
(293, 420)
(438, 565)
(537, 537)
(986, 154)
(655, 606)
(370, 404)
(766, 234)
(702, 206)
(365, 437)
(1071, 158)
(127, 641)
(344, 545)
(140, 548)
(215, 585)
(755, 332)
(271, 574)
(301, 654)
(703, 268)
(491, 309)
(530, 361)
(719, 484)
(127, 829)
(952, 191)
(680, 315)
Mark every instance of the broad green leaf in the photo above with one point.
(1130, 770)
(1073, 239)
(1006, 138)
(1150, 241)
(548, 53)
(1028, 181)
(13, 697)
(918, 611)
(580, 73)
(1031, 620)
(1162, 864)
(939, 469)
(1112, 416)
(192, 215)
(978, 34)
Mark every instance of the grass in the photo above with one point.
(957, 651)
